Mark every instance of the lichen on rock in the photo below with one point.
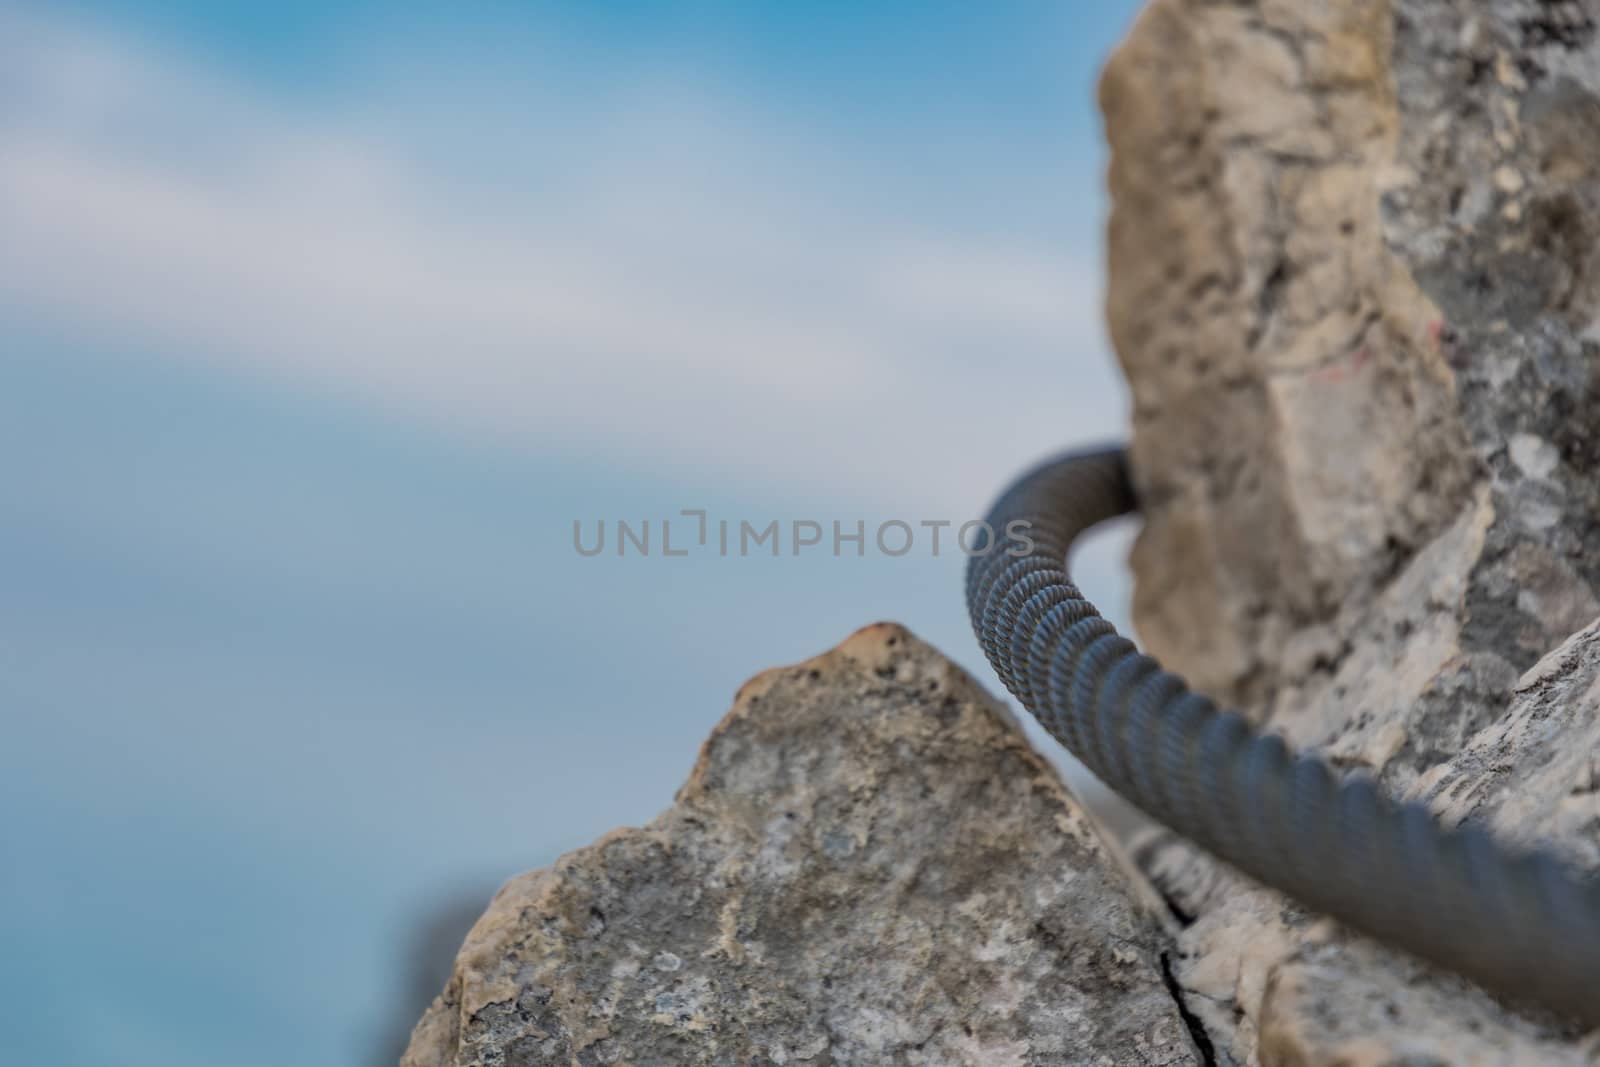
(1355, 286)
(1354, 283)
(869, 864)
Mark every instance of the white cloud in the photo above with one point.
(686, 287)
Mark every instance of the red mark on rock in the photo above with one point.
(1338, 372)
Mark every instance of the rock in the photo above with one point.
(1295, 432)
(1276, 984)
(426, 963)
(1355, 286)
(869, 864)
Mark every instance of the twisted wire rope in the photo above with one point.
(1518, 923)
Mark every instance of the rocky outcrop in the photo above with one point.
(1275, 985)
(1355, 286)
(868, 864)
(1355, 283)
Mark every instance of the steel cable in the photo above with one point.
(1520, 924)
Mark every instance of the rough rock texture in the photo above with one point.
(868, 865)
(1355, 286)
(1273, 984)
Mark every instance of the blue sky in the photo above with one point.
(322, 323)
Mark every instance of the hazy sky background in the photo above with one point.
(319, 325)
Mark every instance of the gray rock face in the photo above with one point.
(1355, 285)
(1275, 985)
(868, 865)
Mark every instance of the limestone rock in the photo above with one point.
(868, 864)
(1355, 286)
(1277, 985)
(1295, 429)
